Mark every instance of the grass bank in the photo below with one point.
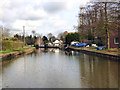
(5, 54)
(111, 53)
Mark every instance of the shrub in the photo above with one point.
(14, 39)
(18, 45)
(5, 39)
(8, 44)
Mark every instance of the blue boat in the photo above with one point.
(79, 44)
(100, 48)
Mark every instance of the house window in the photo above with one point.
(116, 41)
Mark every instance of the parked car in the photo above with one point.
(88, 46)
(94, 45)
(73, 42)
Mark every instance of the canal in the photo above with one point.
(54, 68)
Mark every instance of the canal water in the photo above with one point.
(54, 68)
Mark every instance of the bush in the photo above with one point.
(14, 39)
(5, 39)
(11, 39)
(17, 45)
(8, 44)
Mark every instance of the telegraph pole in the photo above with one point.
(24, 33)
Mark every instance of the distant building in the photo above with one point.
(57, 42)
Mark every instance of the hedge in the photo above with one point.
(6, 44)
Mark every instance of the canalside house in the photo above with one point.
(114, 36)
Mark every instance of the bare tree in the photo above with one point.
(33, 32)
(97, 19)
(5, 32)
(49, 35)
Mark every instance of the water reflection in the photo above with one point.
(96, 72)
(72, 53)
(52, 68)
(38, 51)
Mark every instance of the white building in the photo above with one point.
(57, 42)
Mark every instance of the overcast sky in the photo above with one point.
(43, 16)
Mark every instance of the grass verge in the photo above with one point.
(13, 50)
(111, 51)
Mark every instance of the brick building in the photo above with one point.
(114, 39)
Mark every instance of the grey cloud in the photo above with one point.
(20, 10)
(31, 18)
(52, 7)
(15, 30)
